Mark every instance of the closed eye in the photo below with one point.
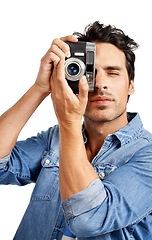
(113, 73)
(113, 70)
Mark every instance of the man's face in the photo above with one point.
(112, 88)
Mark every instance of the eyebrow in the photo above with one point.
(113, 68)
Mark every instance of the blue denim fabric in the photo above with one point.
(116, 206)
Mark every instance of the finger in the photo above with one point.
(50, 58)
(83, 90)
(61, 81)
(60, 74)
(57, 53)
(70, 38)
(62, 45)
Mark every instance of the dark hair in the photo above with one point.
(97, 32)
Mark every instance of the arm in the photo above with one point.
(12, 121)
(121, 200)
(75, 171)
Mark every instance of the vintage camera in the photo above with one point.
(81, 62)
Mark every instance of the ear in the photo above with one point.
(131, 89)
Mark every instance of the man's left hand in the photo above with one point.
(69, 108)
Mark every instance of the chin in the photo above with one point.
(97, 118)
(103, 116)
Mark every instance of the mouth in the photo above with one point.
(101, 100)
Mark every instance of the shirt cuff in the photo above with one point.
(84, 200)
(4, 161)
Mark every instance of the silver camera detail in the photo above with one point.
(81, 62)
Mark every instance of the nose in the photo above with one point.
(100, 79)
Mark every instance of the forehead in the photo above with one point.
(108, 54)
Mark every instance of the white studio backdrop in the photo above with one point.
(27, 29)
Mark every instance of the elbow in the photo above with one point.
(82, 226)
(4, 161)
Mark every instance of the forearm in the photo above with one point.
(12, 121)
(75, 171)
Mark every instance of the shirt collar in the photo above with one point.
(125, 134)
(131, 130)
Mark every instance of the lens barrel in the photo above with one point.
(74, 69)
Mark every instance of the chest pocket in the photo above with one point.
(47, 184)
(104, 170)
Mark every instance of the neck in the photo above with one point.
(98, 131)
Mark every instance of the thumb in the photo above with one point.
(83, 89)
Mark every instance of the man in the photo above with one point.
(94, 178)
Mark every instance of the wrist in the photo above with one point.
(72, 128)
(41, 89)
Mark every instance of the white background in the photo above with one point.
(27, 29)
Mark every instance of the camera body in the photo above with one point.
(81, 62)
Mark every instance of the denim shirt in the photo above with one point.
(116, 206)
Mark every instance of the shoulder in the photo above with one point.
(50, 132)
(146, 135)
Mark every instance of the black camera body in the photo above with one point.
(81, 62)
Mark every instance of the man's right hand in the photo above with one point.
(59, 50)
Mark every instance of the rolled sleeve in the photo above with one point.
(84, 200)
(4, 161)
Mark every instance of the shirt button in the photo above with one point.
(47, 161)
(103, 174)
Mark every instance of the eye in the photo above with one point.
(111, 73)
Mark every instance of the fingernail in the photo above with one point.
(83, 80)
(68, 54)
(75, 39)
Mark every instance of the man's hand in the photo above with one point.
(57, 52)
(69, 108)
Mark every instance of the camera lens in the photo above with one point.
(73, 69)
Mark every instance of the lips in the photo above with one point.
(101, 99)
